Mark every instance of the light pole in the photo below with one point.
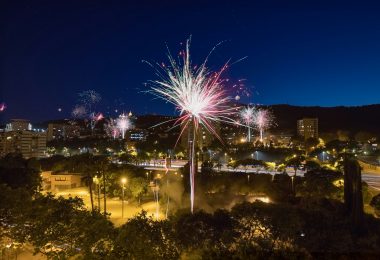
(293, 190)
(123, 182)
(104, 193)
(96, 180)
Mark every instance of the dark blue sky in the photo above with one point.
(299, 52)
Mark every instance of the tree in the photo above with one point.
(85, 164)
(312, 165)
(202, 230)
(12, 160)
(264, 226)
(138, 187)
(321, 183)
(375, 203)
(67, 227)
(353, 196)
(295, 162)
(126, 158)
(19, 173)
(143, 238)
(250, 162)
(311, 143)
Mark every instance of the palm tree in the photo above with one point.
(88, 180)
(295, 162)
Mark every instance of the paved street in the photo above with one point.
(372, 179)
(114, 205)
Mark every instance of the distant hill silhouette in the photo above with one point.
(331, 119)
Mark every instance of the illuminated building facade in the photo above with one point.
(308, 128)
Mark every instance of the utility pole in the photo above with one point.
(104, 192)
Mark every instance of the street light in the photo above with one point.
(97, 181)
(123, 182)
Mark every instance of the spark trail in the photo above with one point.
(198, 94)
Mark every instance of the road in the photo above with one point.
(114, 205)
(372, 178)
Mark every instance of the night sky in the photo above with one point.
(298, 52)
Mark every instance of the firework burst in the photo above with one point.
(247, 116)
(94, 119)
(79, 111)
(198, 94)
(2, 107)
(111, 128)
(89, 98)
(123, 123)
(85, 109)
(263, 119)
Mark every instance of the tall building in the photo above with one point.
(18, 125)
(28, 143)
(308, 127)
(62, 130)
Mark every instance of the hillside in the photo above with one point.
(331, 119)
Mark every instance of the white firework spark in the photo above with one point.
(198, 94)
(89, 97)
(247, 116)
(123, 123)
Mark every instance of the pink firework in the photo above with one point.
(94, 119)
(263, 119)
(111, 129)
(98, 117)
(2, 107)
(198, 94)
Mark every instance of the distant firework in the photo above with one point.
(98, 117)
(89, 97)
(85, 109)
(94, 119)
(79, 111)
(123, 123)
(2, 107)
(111, 128)
(247, 116)
(263, 120)
(198, 94)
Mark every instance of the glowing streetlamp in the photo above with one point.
(123, 182)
